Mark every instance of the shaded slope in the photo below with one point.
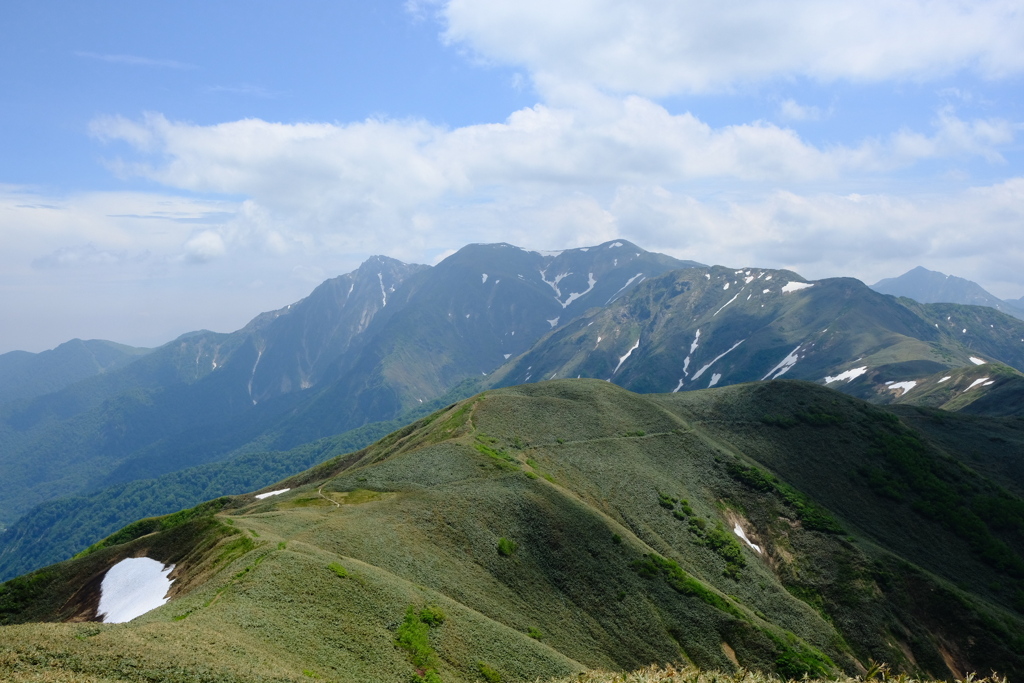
(25, 375)
(617, 513)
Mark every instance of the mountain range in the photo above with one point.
(152, 431)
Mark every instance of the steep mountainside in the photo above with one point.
(715, 326)
(188, 402)
(25, 375)
(465, 317)
(364, 347)
(543, 529)
(933, 287)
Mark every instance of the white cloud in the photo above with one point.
(790, 110)
(663, 47)
(134, 60)
(368, 185)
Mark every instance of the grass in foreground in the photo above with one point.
(672, 674)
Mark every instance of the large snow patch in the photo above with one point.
(133, 587)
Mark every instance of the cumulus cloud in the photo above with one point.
(664, 47)
(377, 182)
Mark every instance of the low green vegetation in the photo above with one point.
(413, 636)
(506, 547)
(812, 515)
(489, 673)
(653, 565)
(340, 571)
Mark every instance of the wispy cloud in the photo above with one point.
(245, 89)
(135, 60)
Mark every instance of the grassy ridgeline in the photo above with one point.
(561, 528)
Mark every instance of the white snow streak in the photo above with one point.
(132, 587)
(628, 353)
(784, 365)
(978, 361)
(846, 376)
(572, 297)
(614, 244)
(383, 292)
(904, 387)
(974, 384)
(947, 377)
(628, 283)
(696, 337)
(554, 322)
(738, 530)
(726, 304)
(700, 372)
(483, 277)
(795, 286)
(714, 379)
(268, 494)
(678, 386)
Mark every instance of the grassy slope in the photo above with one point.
(571, 473)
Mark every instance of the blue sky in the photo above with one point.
(166, 167)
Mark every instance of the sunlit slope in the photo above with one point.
(600, 522)
(697, 328)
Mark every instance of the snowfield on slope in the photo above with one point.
(131, 588)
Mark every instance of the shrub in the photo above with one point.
(489, 674)
(535, 633)
(338, 569)
(506, 547)
(432, 615)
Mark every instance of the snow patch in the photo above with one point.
(738, 530)
(974, 384)
(795, 286)
(268, 494)
(628, 353)
(383, 292)
(847, 376)
(748, 279)
(483, 278)
(726, 286)
(131, 588)
(707, 275)
(553, 283)
(686, 364)
(696, 337)
(978, 361)
(768, 278)
(700, 372)
(614, 244)
(507, 356)
(726, 304)
(554, 322)
(714, 379)
(678, 387)
(628, 283)
(572, 297)
(947, 377)
(766, 291)
(784, 365)
(991, 381)
(904, 387)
